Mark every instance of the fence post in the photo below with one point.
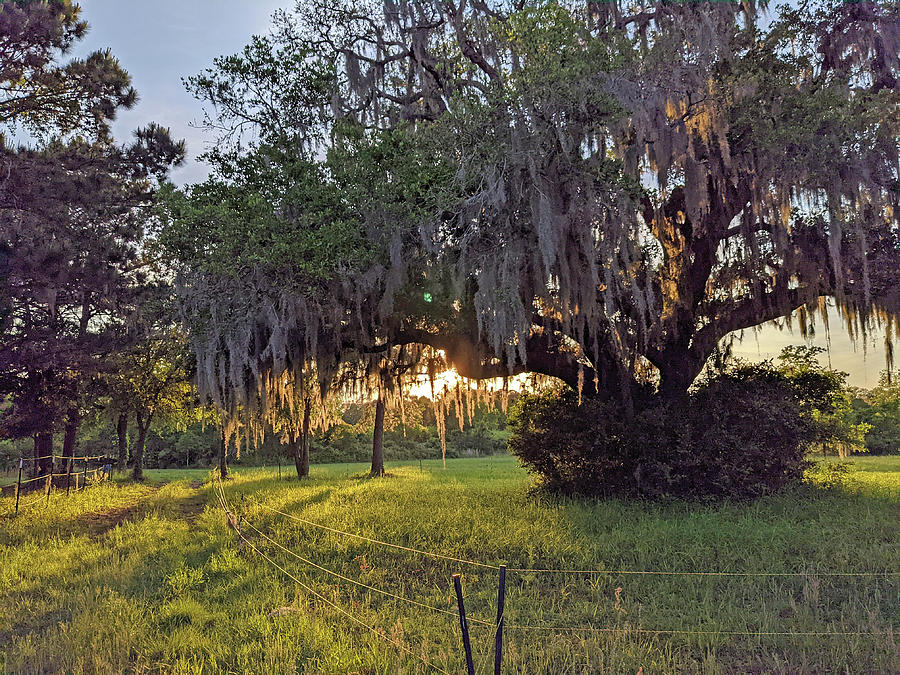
(69, 476)
(84, 477)
(19, 484)
(498, 639)
(49, 483)
(464, 625)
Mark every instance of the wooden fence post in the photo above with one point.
(498, 638)
(49, 483)
(464, 625)
(69, 476)
(19, 484)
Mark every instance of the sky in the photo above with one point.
(163, 41)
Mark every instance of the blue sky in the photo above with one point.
(163, 41)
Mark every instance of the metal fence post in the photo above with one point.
(19, 484)
(69, 476)
(498, 638)
(464, 625)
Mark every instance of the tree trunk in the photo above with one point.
(676, 376)
(137, 468)
(35, 468)
(223, 456)
(43, 449)
(378, 440)
(72, 421)
(122, 433)
(301, 451)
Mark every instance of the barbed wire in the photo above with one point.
(705, 574)
(359, 583)
(623, 630)
(395, 643)
(377, 541)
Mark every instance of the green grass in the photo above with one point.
(149, 578)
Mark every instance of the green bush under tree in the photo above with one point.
(741, 433)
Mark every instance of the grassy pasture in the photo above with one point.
(149, 578)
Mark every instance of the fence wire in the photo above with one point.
(549, 570)
(377, 541)
(361, 584)
(395, 643)
(78, 481)
(622, 630)
(673, 631)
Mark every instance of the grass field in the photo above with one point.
(149, 578)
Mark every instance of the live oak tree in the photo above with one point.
(595, 192)
(74, 207)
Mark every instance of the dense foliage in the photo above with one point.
(592, 192)
(879, 410)
(740, 433)
(75, 210)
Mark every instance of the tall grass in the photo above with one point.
(171, 588)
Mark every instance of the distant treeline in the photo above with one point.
(409, 435)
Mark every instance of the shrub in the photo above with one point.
(830, 475)
(738, 435)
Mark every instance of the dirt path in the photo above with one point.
(98, 523)
(191, 507)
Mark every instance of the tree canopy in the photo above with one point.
(594, 192)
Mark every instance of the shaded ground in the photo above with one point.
(192, 506)
(187, 508)
(98, 523)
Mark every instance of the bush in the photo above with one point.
(739, 435)
(830, 475)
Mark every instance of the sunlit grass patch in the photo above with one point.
(172, 588)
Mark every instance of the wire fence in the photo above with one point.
(29, 493)
(238, 521)
(547, 570)
(355, 619)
